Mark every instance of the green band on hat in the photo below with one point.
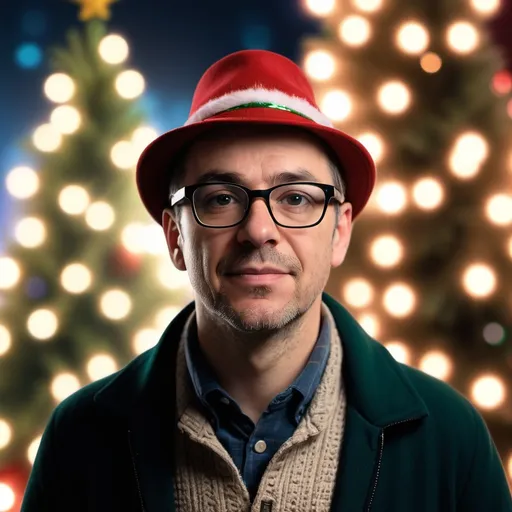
(262, 104)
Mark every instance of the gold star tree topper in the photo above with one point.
(91, 9)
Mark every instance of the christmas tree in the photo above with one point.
(85, 281)
(429, 269)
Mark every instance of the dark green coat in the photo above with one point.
(411, 443)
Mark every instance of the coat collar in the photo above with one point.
(376, 385)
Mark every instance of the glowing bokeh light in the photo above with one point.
(336, 105)
(358, 292)
(488, 392)
(399, 300)
(355, 30)
(66, 119)
(47, 138)
(130, 84)
(479, 280)
(319, 65)
(400, 351)
(437, 364)
(33, 449)
(412, 38)
(22, 182)
(320, 7)
(59, 88)
(5, 340)
(5, 434)
(394, 97)
(64, 385)
(10, 273)
(115, 304)
(113, 49)
(387, 251)
(391, 198)
(431, 62)
(374, 144)
(486, 8)
(370, 324)
(123, 155)
(428, 193)
(144, 339)
(30, 232)
(7, 498)
(42, 324)
(368, 5)
(462, 37)
(101, 365)
(100, 216)
(76, 278)
(498, 209)
(74, 199)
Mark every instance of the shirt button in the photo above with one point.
(225, 400)
(260, 447)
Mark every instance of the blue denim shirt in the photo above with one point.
(234, 429)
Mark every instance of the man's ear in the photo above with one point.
(174, 238)
(342, 234)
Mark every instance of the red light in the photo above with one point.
(502, 82)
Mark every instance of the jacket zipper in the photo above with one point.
(379, 464)
(135, 471)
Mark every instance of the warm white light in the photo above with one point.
(336, 105)
(30, 232)
(428, 193)
(386, 251)
(355, 30)
(22, 182)
(437, 364)
(374, 144)
(470, 150)
(76, 278)
(399, 300)
(115, 304)
(132, 237)
(144, 340)
(319, 65)
(479, 280)
(171, 277)
(509, 467)
(368, 5)
(7, 498)
(130, 84)
(370, 324)
(123, 155)
(42, 324)
(358, 292)
(59, 88)
(5, 434)
(142, 137)
(47, 138)
(100, 216)
(394, 97)
(510, 247)
(499, 209)
(64, 385)
(486, 7)
(113, 49)
(66, 119)
(10, 273)
(391, 197)
(400, 351)
(32, 449)
(165, 315)
(488, 392)
(462, 37)
(412, 37)
(101, 365)
(5, 340)
(320, 7)
(74, 199)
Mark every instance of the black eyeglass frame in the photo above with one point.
(330, 191)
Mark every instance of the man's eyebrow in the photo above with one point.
(239, 179)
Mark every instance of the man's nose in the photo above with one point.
(258, 228)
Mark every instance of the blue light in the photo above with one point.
(34, 23)
(36, 288)
(29, 55)
(256, 37)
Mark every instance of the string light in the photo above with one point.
(468, 154)
(479, 280)
(486, 7)
(47, 138)
(5, 340)
(113, 49)
(64, 385)
(171, 277)
(391, 197)
(370, 324)
(319, 65)
(22, 182)
(9, 273)
(101, 365)
(74, 199)
(494, 334)
(165, 315)
(437, 364)
(76, 278)
(123, 155)
(115, 304)
(488, 392)
(509, 466)
(30, 232)
(7, 497)
(143, 340)
(386, 251)
(412, 38)
(42, 324)
(33, 449)
(431, 62)
(130, 84)
(5, 434)
(510, 247)
(100, 216)
(337, 105)
(355, 30)
(428, 193)
(368, 5)
(462, 37)
(59, 88)
(66, 119)
(394, 97)
(499, 209)
(358, 293)
(320, 7)
(399, 300)
(400, 351)
(374, 144)
(142, 137)
(131, 237)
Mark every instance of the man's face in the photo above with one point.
(215, 257)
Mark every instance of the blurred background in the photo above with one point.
(85, 282)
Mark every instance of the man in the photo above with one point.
(264, 394)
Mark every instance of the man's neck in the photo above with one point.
(252, 368)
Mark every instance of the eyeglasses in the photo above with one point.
(292, 205)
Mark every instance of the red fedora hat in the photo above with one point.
(253, 87)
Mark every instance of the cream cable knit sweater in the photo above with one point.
(300, 477)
